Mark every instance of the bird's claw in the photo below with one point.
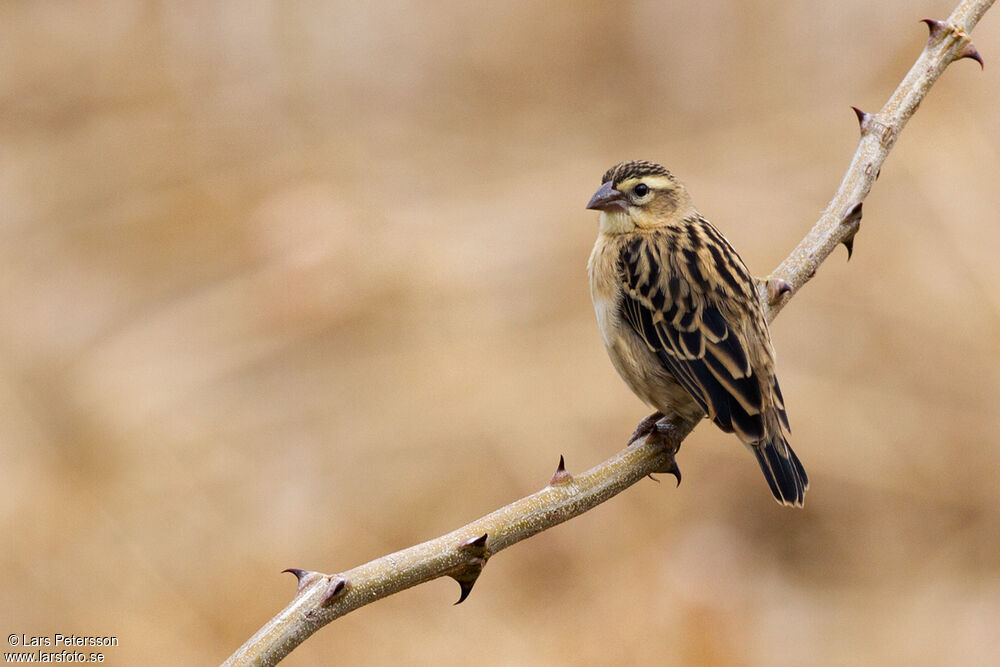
(661, 431)
(644, 428)
(665, 433)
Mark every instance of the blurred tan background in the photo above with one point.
(300, 284)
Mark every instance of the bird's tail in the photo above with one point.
(782, 470)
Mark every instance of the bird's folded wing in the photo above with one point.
(678, 318)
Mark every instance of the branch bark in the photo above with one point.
(463, 553)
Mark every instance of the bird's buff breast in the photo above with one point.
(638, 366)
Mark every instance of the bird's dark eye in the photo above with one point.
(641, 190)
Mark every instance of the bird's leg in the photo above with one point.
(665, 433)
(644, 428)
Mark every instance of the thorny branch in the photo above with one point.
(463, 553)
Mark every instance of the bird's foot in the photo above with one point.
(665, 434)
(645, 427)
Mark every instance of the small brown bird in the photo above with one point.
(681, 319)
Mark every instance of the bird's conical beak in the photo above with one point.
(607, 198)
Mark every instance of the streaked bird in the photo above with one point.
(682, 321)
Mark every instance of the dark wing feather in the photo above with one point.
(779, 403)
(676, 314)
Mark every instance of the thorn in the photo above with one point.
(475, 543)
(466, 585)
(853, 217)
(969, 51)
(303, 576)
(776, 288)
(865, 120)
(849, 244)
(335, 590)
(560, 476)
(297, 572)
(935, 27)
(467, 573)
(673, 470)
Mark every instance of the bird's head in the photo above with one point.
(639, 195)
